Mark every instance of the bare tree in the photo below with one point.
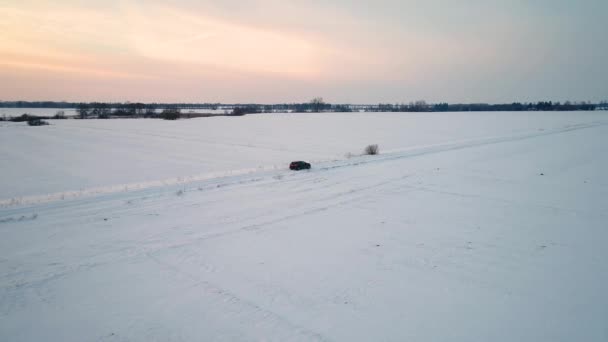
(317, 104)
(82, 110)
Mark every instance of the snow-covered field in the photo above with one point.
(467, 227)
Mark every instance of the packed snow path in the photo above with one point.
(484, 239)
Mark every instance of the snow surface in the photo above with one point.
(468, 227)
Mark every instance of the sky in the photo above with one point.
(275, 51)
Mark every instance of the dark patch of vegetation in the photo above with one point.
(34, 121)
(100, 110)
(22, 118)
(316, 105)
(341, 109)
(31, 120)
(240, 111)
(170, 114)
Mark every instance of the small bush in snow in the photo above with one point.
(371, 150)
(36, 122)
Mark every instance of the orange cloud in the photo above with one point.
(168, 34)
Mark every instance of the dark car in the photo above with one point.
(299, 165)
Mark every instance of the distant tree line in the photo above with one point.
(172, 111)
(421, 106)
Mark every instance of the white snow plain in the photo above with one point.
(467, 227)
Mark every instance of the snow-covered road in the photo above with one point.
(471, 237)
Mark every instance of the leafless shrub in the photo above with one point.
(371, 150)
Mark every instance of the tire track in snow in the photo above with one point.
(261, 226)
(502, 200)
(256, 312)
(125, 253)
(454, 146)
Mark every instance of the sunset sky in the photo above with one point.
(274, 51)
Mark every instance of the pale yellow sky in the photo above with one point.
(275, 51)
